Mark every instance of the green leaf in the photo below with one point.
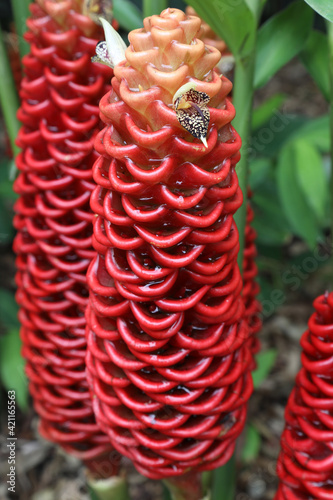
(6, 226)
(265, 362)
(252, 444)
(127, 14)
(323, 7)
(315, 131)
(315, 58)
(271, 225)
(224, 480)
(270, 139)
(311, 177)
(280, 39)
(267, 233)
(259, 171)
(294, 203)
(235, 24)
(151, 7)
(12, 367)
(8, 309)
(288, 128)
(263, 113)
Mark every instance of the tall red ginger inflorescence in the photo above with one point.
(305, 464)
(167, 359)
(60, 119)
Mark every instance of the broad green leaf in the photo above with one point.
(265, 362)
(267, 233)
(270, 138)
(323, 7)
(280, 39)
(254, 5)
(8, 309)
(294, 203)
(252, 444)
(127, 14)
(233, 22)
(315, 58)
(12, 367)
(270, 223)
(315, 131)
(263, 113)
(259, 171)
(224, 480)
(288, 128)
(311, 177)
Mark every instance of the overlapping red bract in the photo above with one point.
(305, 464)
(250, 286)
(60, 119)
(250, 271)
(168, 358)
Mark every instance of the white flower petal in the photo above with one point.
(115, 44)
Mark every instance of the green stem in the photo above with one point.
(113, 488)
(186, 487)
(224, 481)
(21, 13)
(8, 97)
(151, 7)
(330, 46)
(242, 100)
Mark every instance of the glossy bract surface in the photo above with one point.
(60, 119)
(168, 359)
(305, 464)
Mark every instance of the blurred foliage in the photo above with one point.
(289, 167)
(280, 39)
(252, 444)
(265, 361)
(12, 374)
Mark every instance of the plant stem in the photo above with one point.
(8, 97)
(21, 13)
(330, 48)
(113, 488)
(242, 100)
(224, 481)
(151, 7)
(186, 487)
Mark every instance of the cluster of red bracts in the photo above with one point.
(168, 356)
(169, 347)
(305, 465)
(60, 119)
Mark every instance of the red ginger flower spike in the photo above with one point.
(167, 357)
(60, 119)
(305, 464)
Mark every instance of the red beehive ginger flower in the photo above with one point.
(305, 465)
(167, 356)
(60, 119)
